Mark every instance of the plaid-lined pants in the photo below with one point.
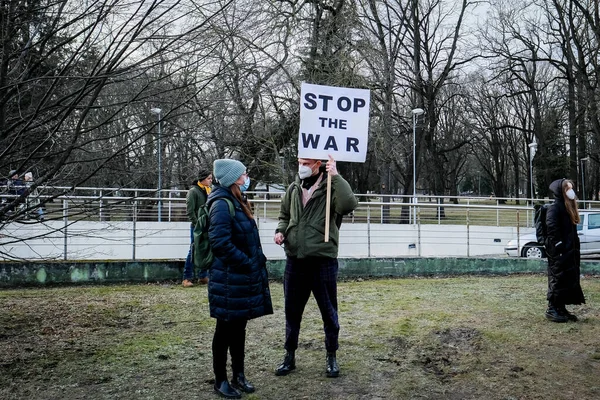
(303, 276)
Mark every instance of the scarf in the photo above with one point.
(205, 188)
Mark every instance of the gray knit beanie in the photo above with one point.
(228, 171)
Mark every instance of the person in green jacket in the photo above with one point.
(312, 264)
(195, 199)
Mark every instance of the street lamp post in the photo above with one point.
(415, 112)
(532, 151)
(583, 160)
(158, 112)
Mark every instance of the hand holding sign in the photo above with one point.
(330, 167)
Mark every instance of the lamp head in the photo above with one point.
(532, 149)
(418, 111)
(155, 111)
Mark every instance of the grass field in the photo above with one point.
(434, 338)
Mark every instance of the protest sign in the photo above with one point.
(334, 125)
(333, 121)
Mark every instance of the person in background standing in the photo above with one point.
(563, 249)
(238, 289)
(16, 186)
(196, 198)
(33, 198)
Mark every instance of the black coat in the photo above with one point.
(563, 249)
(238, 287)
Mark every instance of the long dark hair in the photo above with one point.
(571, 205)
(237, 193)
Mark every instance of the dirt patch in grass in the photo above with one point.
(444, 338)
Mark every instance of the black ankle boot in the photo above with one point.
(563, 311)
(240, 382)
(554, 315)
(224, 389)
(288, 364)
(333, 370)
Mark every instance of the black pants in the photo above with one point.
(229, 335)
(316, 275)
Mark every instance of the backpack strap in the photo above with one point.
(231, 208)
(230, 205)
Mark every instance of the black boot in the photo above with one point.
(333, 370)
(224, 389)
(240, 382)
(563, 311)
(554, 315)
(288, 364)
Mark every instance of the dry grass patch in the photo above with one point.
(450, 338)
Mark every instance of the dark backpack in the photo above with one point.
(202, 255)
(539, 220)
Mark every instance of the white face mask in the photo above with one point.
(571, 194)
(304, 171)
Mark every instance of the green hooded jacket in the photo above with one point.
(304, 227)
(195, 199)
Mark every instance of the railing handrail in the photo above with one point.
(259, 198)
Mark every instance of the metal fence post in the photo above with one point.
(65, 235)
(418, 231)
(101, 204)
(134, 221)
(468, 236)
(368, 231)
(497, 212)
(518, 229)
(170, 205)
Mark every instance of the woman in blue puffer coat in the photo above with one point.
(238, 288)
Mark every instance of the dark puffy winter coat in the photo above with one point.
(563, 249)
(238, 287)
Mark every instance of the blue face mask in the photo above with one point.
(246, 185)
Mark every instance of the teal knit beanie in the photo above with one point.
(228, 171)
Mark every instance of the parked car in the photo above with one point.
(588, 230)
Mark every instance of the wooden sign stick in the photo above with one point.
(327, 208)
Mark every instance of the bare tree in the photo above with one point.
(77, 80)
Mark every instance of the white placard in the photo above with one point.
(333, 121)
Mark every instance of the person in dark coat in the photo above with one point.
(563, 249)
(196, 198)
(238, 286)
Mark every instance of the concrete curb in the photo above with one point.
(17, 274)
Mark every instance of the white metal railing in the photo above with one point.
(79, 228)
(104, 226)
(173, 200)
